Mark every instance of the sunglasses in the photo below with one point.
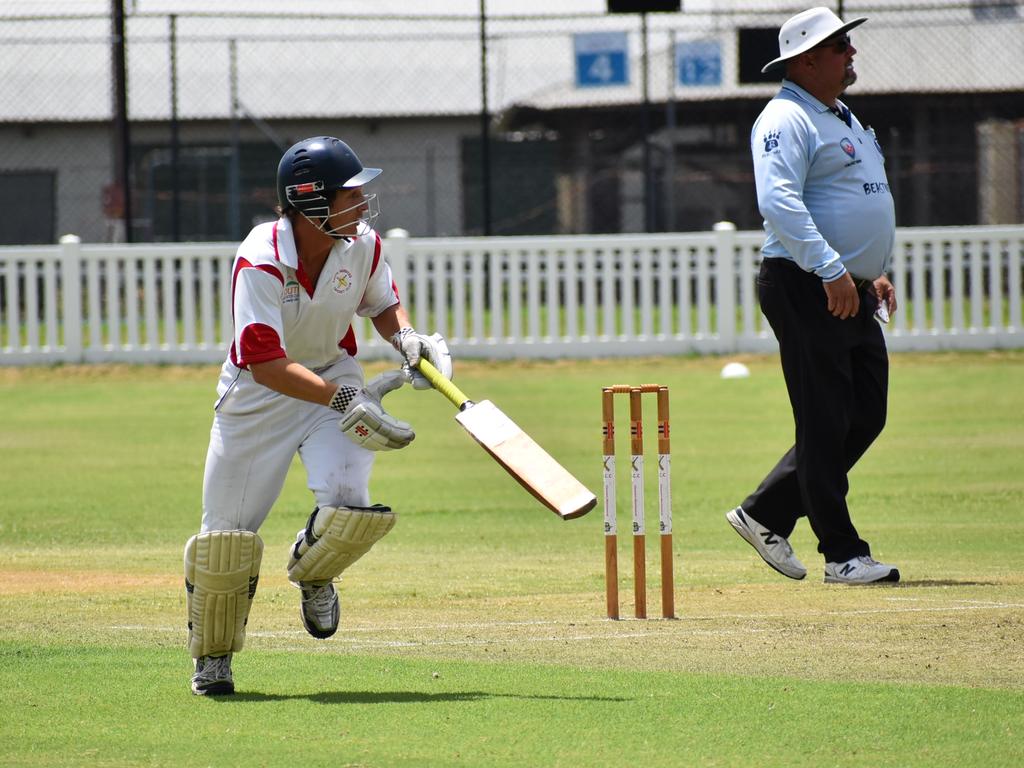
(839, 44)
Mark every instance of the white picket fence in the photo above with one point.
(502, 297)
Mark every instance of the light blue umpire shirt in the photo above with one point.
(821, 187)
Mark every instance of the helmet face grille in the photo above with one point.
(313, 200)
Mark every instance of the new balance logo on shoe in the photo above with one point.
(772, 548)
(860, 570)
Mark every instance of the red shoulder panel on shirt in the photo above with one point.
(270, 269)
(259, 343)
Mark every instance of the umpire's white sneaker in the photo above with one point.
(320, 609)
(213, 676)
(860, 570)
(772, 548)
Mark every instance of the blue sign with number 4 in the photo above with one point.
(601, 59)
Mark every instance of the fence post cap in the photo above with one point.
(723, 226)
(397, 232)
(69, 239)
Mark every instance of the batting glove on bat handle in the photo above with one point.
(408, 343)
(415, 347)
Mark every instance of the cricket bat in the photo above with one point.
(515, 450)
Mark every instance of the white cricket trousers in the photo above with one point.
(255, 435)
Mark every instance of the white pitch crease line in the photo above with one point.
(990, 603)
(480, 625)
(680, 623)
(364, 644)
(391, 628)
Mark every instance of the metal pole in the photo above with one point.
(234, 181)
(431, 193)
(670, 130)
(645, 127)
(175, 139)
(485, 120)
(122, 136)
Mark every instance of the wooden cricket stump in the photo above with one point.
(637, 501)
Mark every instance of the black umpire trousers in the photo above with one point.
(837, 375)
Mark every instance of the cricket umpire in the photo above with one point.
(829, 227)
(291, 385)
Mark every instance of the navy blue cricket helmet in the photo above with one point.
(312, 169)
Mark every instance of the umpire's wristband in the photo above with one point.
(343, 398)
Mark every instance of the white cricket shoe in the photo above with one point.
(320, 609)
(860, 570)
(772, 548)
(213, 676)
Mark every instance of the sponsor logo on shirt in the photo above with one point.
(771, 141)
(851, 152)
(290, 293)
(876, 188)
(342, 280)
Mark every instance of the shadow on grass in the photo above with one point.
(400, 697)
(943, 583)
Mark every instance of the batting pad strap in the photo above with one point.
(334, 538)
(222, 569)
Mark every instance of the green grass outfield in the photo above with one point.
(474, 634)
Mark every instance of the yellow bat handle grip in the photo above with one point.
(441, 384)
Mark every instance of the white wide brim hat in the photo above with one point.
(806, 30)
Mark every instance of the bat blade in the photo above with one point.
(535, 469)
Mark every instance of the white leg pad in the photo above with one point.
(334, 538)
(222, 569)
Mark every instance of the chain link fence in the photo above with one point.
(594, 122)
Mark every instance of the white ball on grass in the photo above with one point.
(735, 370)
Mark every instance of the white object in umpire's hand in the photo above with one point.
(882, 311)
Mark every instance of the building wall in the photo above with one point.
(80, 157)
(419, 190)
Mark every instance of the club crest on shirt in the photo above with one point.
(848, 147)
(342, 280)
(771, 140)
(290, 294)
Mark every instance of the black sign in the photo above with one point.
(644, 6)
(758, 46)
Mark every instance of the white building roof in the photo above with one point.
(360, 60)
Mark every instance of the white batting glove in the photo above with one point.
(413, 346)
(367, 423)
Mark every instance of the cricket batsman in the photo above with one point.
(291, 385)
